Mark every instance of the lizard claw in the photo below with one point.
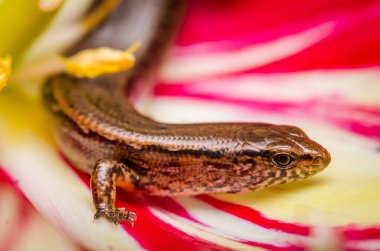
(116, 215)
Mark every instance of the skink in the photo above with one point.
(101, 132)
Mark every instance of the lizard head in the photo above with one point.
(275, 154)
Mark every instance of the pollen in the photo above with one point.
(5, 70)
(100, 61)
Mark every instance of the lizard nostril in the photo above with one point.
(318, 160)
(322, 159)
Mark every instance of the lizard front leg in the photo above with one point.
(105, 176)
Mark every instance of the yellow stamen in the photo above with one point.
(134, 47)
(94, 62)
(5, 70)
(97, 15)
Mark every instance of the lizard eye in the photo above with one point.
(283, 160)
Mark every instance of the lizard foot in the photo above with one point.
(117, 215)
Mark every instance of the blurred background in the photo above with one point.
(310, 64)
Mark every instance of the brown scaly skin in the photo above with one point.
(102, 134)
